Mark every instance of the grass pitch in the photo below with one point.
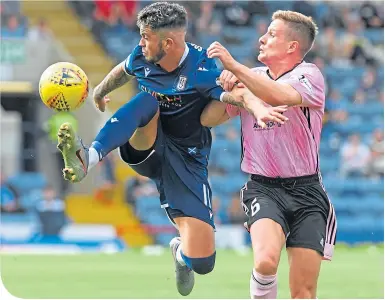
(354, 273)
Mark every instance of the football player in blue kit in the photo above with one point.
(158, 132)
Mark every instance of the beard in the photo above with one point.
(157, 57)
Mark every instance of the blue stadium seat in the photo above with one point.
(247, 35)
(228, 184)
(159, 217)
(226, 161)
(241, 51)
(376, 36)
(205, 40)
(161, 226)
(259, 18)
(164, 238)
(352, 186)
(273, 6)
(147, 206)
(220, 131)
(220, 145)
(336, 74)
(341, 205)
(29, 200)
(367, 109)
(325, 148)
(377, 206)
(28, 182)
(28, 217)
(236, 123)
(373, 186)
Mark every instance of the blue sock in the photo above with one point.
(201, 265)
(186, 260)
(138, 112)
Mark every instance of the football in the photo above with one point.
(63, 86)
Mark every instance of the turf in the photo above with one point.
(354, 273)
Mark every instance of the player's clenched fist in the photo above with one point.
(216, 50)
(228, 81)
(100, 102)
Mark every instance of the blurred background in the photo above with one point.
(114, 209)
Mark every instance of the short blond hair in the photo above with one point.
(303, 28)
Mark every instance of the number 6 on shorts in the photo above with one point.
(255, 207)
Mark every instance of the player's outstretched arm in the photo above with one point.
(262, 113)
(115, 79)
(214, 114)
(243, 97)
(271, 92)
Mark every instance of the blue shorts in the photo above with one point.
(182, 181)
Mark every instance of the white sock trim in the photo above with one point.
(263, 286)
(93, 158)
(264, 281)
(179, 257)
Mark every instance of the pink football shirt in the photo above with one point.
(288, 150)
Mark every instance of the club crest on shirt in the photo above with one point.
(306, 83)
(181, 83)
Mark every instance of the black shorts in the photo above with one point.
(182, 181)
(299, 204)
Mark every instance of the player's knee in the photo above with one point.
(303, 287)
(203, 265)
(303, 292)
(266, 264)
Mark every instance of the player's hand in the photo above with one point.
(228, 80)
(101, 102)
(267, 114)
(216, 50)
(239, 94)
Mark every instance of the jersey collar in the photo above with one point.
(268, 72)
(186, 51)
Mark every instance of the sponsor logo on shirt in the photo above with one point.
(306, 83)
(269, 125)
(164, 100)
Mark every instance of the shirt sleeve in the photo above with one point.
(310, 85)
(128, 65)
(208, 84)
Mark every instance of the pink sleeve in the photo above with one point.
(232, 110)
(309, 83)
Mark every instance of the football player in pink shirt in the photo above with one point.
(284, 200)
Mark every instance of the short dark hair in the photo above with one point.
(162, 15)
(303, 27)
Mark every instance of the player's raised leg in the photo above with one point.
(138, 112)
(184, 274)
(144, 137)
(75, 154)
